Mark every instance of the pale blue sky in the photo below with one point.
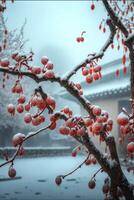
(52, 27)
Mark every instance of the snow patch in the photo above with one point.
(113, 163)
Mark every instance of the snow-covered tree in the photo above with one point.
(97, 122)
(11, 41)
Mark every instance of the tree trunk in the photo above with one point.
(131, 56)
(118, 179)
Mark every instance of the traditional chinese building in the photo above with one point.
(111, 93)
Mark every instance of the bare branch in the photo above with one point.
(64, 176)
(100, 169)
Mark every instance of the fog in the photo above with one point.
(52, 27)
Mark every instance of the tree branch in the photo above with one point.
(112, 148)
(17, 73)
(100, 169)
(19, 147)
(115, 19)
(64, 83)
(64, 176)
(95, 55)
(85, 140)
(130, 39)
(70, 88)
(102, 160)
(12, 158)
(37, 79)
(131, 56)
(84, 102)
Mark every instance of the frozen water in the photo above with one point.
(38, 180)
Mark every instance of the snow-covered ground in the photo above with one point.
(38, 175)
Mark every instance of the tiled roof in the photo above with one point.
(119, 92)
(109, 86)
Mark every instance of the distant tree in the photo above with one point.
(11, 41)
(97, 122)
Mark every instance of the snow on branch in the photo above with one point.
(94, 56)
(82, 100)
(11, 160)
(11, 40)
(115, 19)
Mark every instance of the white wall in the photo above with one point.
(111, 106)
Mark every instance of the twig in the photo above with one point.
(84, 102)
(116, 21)
(96, 173)
(95, 55)
(44, 96)
(11, 160)
(64, 176)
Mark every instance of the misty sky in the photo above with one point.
(52, 27)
